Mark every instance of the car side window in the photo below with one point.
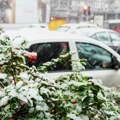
(48, 51)
(115, 36)
(97, 57)
(102, 36)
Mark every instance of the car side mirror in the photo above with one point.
(116, 63)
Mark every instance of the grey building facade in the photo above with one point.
(72, 10)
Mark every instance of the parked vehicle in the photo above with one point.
(102, 62)
(40, 26)
(70, 27)
(109, 37)
(34, 27)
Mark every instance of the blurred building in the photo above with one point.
(114, 9)
(40, 11)
(69, 10)
(72, 10)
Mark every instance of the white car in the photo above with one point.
(32, 27)
(102, 62)
(40, 26)
(71, 27)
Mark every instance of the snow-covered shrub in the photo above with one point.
(25, 94)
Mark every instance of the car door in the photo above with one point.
(48, 52)
(100, 63)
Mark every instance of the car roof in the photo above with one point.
(69, 27)
(78, 24)
(34, 36)
(91, 31)
(44, 35)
